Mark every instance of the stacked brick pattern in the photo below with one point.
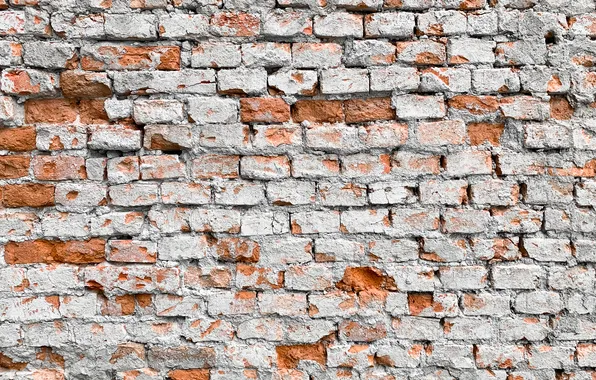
(297, 189)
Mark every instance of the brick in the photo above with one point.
(465, 221)
(50, 251)
(363, 165)
(495, 80)
(316, 55)
(167, 137)
(442, 23)
(468, 277)
(158, 111)
(465, 163)
(441, 133)
(29, 82)
(117, 26)
(426, 107)
(261, 167)
(104, 56)
(264, 110)
(11, 53)
(216, 55)
(389, 24)
(474, 108)
(12, 167)
(371, 109)
(62, 111)
(132, 279)
(314, 222)
(294, 82)
(485, 133)
(155, 82)
(445, 79)
(134, 194)
(318, 111)
(538, 302)
(470, 50)
(340, 24)
(183, 26)
(161, 167)
(344, 81)
(235, 24)
(393, 78)
(17, 139)
(421, 52)
(114, 138)
(242, 81)
(75, 84)
(287, 24)
(240, 193)
(49, 55)
(132, 251)
(58, 167)
(522, 52)
(8, 109)
(370, 53)
(450, 192)
(548, 249)
(525, 108)
(266, 54)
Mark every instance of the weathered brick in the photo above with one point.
(104, 56)
(340, 24)
(315, 55)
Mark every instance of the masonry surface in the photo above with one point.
(297, 189)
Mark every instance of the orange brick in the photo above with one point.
(93, 111)
(480, 133)
(189, 374)
(360, 110)
(50, 251)
(318, 111)
(28, 195)
(264, 110)
(79, 84)
(17, 139)
(14, 166)
(51, 111)
(475, 105)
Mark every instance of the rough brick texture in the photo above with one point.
(297, 189)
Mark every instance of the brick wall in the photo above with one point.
(297, 189)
